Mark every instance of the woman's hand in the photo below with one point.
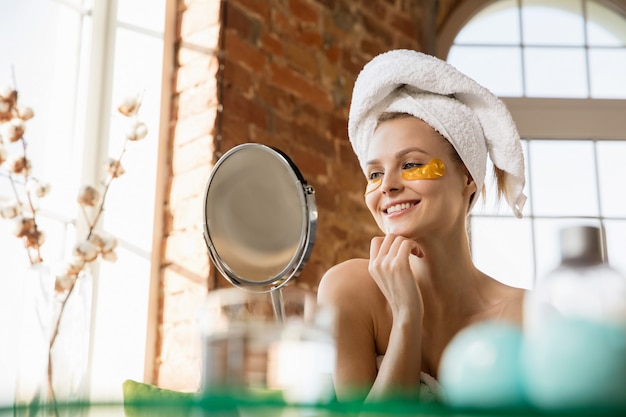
(390, 267)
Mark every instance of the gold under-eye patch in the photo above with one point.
(431, 171)
(434, 169)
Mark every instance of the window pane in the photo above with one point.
(563, 178)
(604, 27)
(135, 13)
(503, 73)
(502, 248)
(135, 73)
(616, 243)
(612, 173)
(559, 23)
(496, 24)
(77, 4)
(547, 246)
(607, 68)
(45, 65)
(130, 310)
(555, 72)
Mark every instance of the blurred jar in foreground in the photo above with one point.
(247, 351)
(480, 367)
(575, 329)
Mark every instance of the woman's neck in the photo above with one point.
(449, 280)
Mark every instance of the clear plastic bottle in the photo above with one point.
(574, 353)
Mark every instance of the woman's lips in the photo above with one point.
(398, 207)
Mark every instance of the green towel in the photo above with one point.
(143, 400)
(146, 400)
(135, 392)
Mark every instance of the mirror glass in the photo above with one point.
(260, 217)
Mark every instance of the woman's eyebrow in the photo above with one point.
(400, 154)
(409, 150)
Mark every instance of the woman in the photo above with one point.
(422, 132)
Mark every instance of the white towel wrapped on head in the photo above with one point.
(469, 116)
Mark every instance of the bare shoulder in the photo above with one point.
(347, 278)
(349, 287)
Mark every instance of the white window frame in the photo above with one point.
(548, 118)
(106, 379)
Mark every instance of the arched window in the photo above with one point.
(559, 66)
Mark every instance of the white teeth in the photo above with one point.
(398, 207)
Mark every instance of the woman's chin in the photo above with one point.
(398, 231)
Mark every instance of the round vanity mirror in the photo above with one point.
(259, 217)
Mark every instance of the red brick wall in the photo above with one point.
(288, 70)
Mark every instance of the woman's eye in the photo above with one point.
(411, 165)
(374, 176)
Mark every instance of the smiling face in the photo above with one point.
(415, 207)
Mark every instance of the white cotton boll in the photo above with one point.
(86, 250)
(10, 210)
(35, 238)
(63, 282)
(23, 225)
(104, 242)
(7, 92)
(88, 196)
(18, 165)
(97, 240)
(114, 168)
(35, 188)
(129, 105)
(109, 243)
(136, 130)
(13, 130)
(110, 256)
(25, 112)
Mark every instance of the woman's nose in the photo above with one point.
(391, 182)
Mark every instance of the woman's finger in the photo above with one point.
(408, 247)
(375, 245)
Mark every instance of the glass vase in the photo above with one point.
(54, 344)
(37, 306)
(70, 351)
